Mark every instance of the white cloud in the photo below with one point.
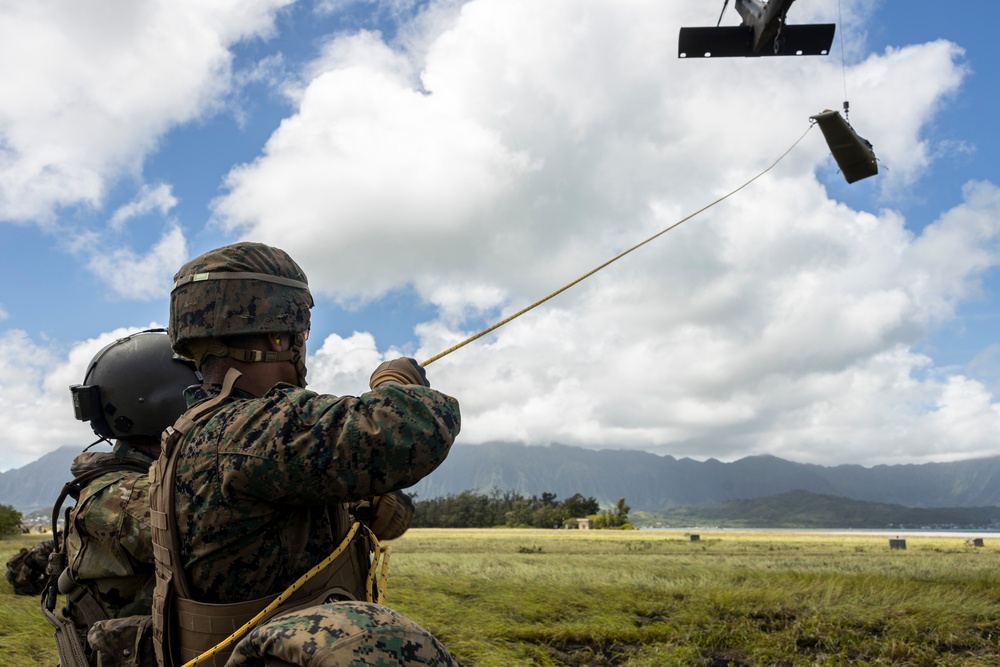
(502, 148)
(135, 276)
(159, 198)
(342, 366)
(394, 162)
(540, 140)
(89, 89)
(34, 389)
(3, 314)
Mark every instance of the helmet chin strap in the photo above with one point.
(298, 351)
(216, 348)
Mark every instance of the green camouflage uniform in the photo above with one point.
(110, 547)
(341, 634)
(105, 565)
(256, 482)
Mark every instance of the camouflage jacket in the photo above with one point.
(110, 546)
(359, 634)
(257, 481)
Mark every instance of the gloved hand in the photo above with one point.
(388, 516)
(403, 370)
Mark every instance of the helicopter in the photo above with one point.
(763, 32)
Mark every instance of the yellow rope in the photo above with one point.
(249, 625)
(612, 260)
(378, 553)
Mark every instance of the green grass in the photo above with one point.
(25, 636)
(508, 597)
(550, 598)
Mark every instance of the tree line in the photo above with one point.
(474, 510)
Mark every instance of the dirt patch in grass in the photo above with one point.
(729, 658)
(589, 655)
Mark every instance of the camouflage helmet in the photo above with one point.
(243, 288)
(359, 634)
(134, 387)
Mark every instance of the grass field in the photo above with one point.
(592, 598)
(25, 636)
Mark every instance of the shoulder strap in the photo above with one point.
(170, 577)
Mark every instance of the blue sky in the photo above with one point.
(435, 166)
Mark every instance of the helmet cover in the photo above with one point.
(243, 288)
(341, 633)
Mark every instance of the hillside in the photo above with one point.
(36, 485)
(652, 483)
(649, 482)
(801, 509)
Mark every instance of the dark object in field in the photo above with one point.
(974, 541)
(693, 537)
(897, 543)
(26, 569)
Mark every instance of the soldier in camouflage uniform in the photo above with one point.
(133, 389)
(260, 471)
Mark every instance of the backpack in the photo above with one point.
(26, 569)
(103, 565)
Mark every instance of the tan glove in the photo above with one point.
(387, 516)
(403, 370)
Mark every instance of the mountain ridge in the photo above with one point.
(649, 482)
(652, 482)
(802, 509)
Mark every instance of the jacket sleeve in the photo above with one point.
(301, 448)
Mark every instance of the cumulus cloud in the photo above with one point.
(800, 346)
(499, 149)
(497, 157)
(538, 139)
(89, 89)
(395, 168)
(140, 276)
(159, 198)
(34, 389)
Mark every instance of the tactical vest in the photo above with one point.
(83, 608)
(185, 629)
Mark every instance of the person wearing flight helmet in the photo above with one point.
(132, 390)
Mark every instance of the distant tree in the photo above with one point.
(622, 510)
(10, 520)
(519, 514)
(578, 507)
(473, 510)
(616, 518)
